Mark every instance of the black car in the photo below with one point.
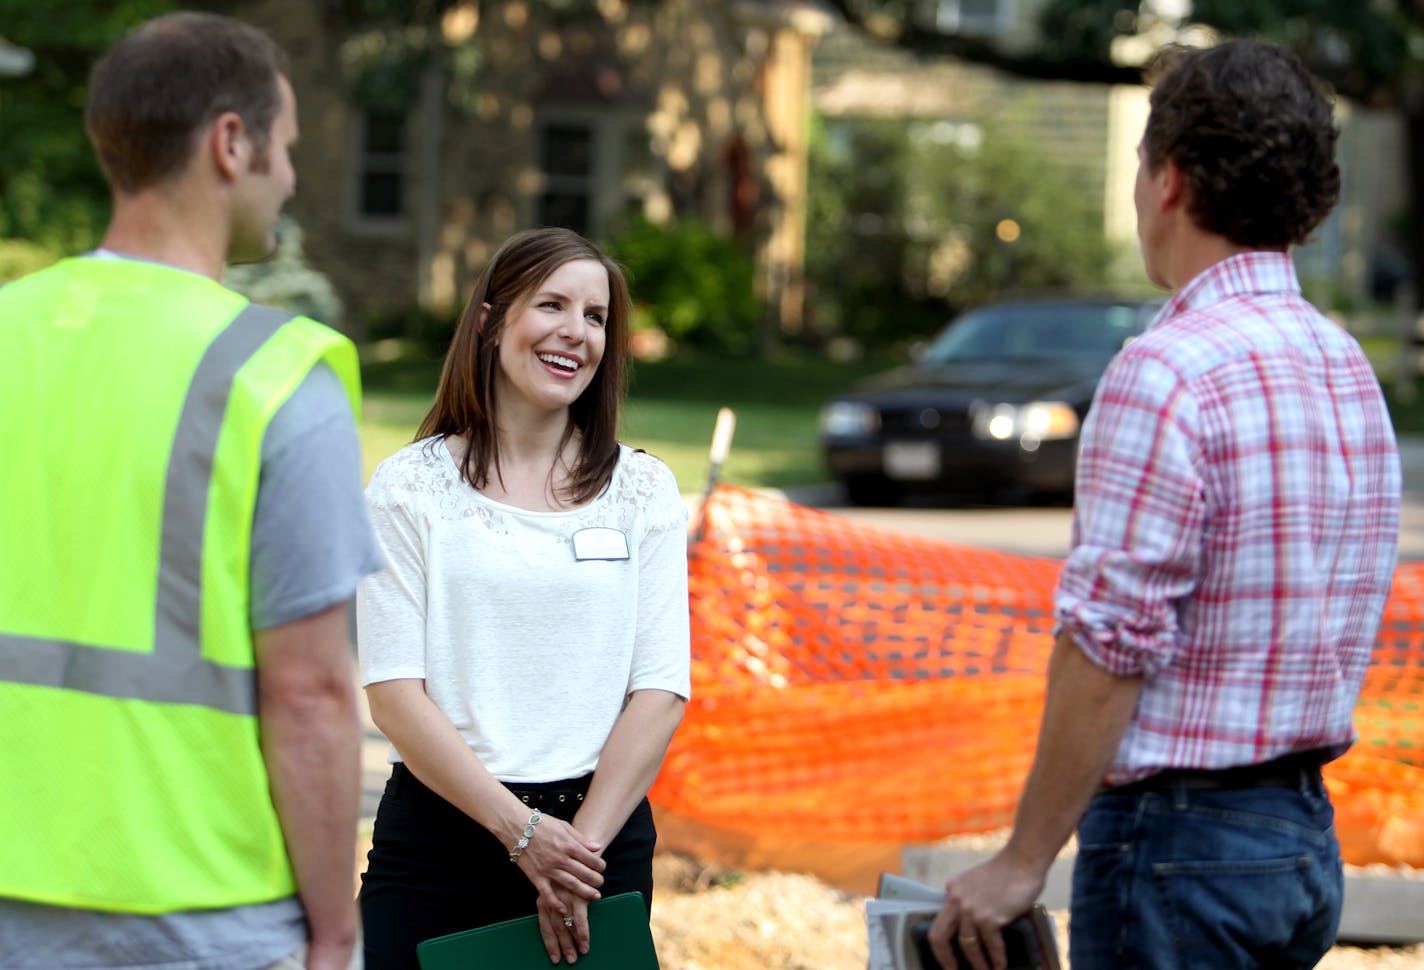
(993, 404)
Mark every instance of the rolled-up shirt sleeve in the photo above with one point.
(1138, 518)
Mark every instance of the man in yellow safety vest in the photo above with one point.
(181, 528)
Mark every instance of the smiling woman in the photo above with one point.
(526, 650)
(552, 343)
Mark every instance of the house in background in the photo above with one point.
(1091, 132)
(421, 151)
(1355, 258)
(858, 77)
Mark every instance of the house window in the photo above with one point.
(567, 157)
(381, 163)
(595, 168)
(974, 17)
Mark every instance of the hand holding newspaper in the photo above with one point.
(897, 919)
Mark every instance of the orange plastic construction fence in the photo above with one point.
(854, 684)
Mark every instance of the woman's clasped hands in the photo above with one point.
(567, 870)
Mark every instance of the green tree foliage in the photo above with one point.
(858, 243)
(1371, 52)
(696, 285)
(905, 226)
(389, 44)
(51, 190)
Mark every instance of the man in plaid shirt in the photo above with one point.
(1235, 534)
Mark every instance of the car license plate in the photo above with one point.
(911, 460)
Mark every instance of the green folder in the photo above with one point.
(618, 939)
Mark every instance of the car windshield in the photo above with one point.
(1080, 333)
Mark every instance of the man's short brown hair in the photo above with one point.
(157, 88)
(1253, 132)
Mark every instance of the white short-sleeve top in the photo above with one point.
(528, 646)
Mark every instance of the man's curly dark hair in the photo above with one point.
(1252, 131)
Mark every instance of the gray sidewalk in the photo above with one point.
(1411, 461)
(374, 770)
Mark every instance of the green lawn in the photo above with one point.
(673, 404)
(388, 422)
(773, 445)
(672, 408)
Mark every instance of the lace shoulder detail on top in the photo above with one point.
(417, 472)
(644, 483)
(423, 480)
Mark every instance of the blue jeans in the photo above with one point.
(1211, 879)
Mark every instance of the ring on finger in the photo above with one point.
(569, 922)
(969, 940)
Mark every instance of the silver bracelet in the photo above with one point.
(523, 842)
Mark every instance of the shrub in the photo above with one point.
(909, 224)
(427, 331)
(694, 284)
(20, 257)
(287, 281)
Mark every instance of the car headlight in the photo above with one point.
(1046, 420)
(1036, 421)
(849, 418)
(996, 421)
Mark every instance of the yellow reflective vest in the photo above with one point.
(133, 402)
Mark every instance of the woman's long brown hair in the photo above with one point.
(465, 403)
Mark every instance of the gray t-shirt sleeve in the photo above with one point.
(312, 540)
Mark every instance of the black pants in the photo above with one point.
(433, 870)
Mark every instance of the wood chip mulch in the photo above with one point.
(710, 918)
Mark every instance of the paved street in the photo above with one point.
(1045, 531)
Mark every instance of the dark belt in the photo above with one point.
(1288, 771)
(545, 795)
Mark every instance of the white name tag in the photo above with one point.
(600, 544)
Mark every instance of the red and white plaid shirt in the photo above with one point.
(1236, 524)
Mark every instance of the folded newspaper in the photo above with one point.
(897, 918)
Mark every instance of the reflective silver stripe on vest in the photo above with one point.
(175, 671)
